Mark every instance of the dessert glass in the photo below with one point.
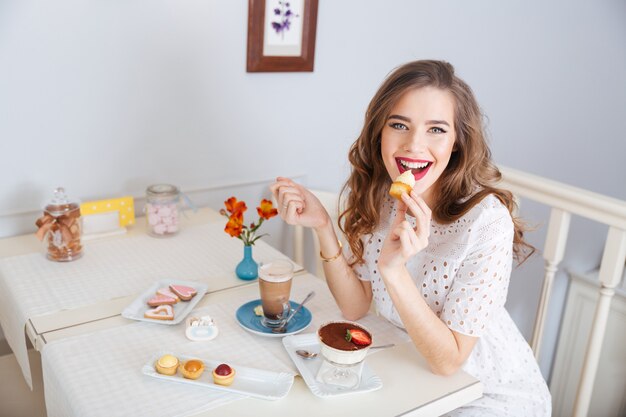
(345, 364)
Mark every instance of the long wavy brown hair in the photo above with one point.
(469, 177)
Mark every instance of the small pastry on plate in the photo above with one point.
(403, 183)
(192, 369)
(223, 375)
(258, 310)
(159, 300)
(168, 293)
(164, 312)
(166, 365)
(185, 293)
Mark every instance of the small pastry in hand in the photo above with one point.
(192, 369)
(167, 365)
(223, 375)
(404, 183)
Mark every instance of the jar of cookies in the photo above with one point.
(60, 228)
(162, 201)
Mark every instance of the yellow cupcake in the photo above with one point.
(167, 365)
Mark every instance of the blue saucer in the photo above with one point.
(252, 323)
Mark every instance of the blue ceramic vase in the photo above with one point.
(247, 269)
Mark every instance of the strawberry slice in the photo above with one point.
(358, 337)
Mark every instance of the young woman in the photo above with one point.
(437, 262)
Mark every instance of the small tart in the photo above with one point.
(167, 365)
(223, 379)
(192, 369)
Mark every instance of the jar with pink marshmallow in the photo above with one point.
(162, 201)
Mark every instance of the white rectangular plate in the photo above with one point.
(139, 306)
(309, 367)
(252, 382)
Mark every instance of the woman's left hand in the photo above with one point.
(403, 241)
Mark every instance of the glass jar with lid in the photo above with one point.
(60, 228)
(162, 201)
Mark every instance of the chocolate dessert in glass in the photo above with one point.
(344, 345)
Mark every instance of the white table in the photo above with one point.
(409, 387)
(43, 296)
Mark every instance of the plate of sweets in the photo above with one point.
(335, 364)
(218, 375)
(166, 301)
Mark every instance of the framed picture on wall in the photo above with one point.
(281, 35)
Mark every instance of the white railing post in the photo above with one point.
(566, 200)
(298, 245)
(554, 250)
(611, 270)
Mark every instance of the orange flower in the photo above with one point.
(266, 211)
(234, 226)
(233, 206)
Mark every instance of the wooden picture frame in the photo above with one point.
(281, 35)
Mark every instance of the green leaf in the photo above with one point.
(348, 336)
(259, 237)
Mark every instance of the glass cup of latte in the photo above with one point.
(275, 287)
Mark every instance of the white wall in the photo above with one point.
(106, 97)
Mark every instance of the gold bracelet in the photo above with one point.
(325, 259)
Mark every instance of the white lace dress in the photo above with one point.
(463, 275)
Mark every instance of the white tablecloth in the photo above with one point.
(99, 374)
(31, 285)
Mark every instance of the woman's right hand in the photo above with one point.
(403, 241)
(297, 205)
